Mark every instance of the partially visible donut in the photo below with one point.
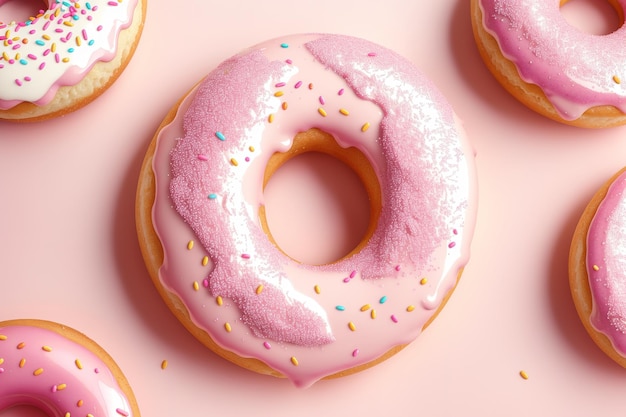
(60, 371)
(597, 268)
(201, 219)
(550, 66)
(65, 56)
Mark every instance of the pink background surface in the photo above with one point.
(69, 252)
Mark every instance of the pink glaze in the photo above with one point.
(41, 368)
(307, 321)
(575, 70)
(58, 47)
(606, 265)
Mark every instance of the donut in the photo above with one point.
(201, 218)
(597, 268)
(552, 67)
(60, 371)
(64, 57)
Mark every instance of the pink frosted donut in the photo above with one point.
(65, 56)
(205, 244)
(598, 268)
(60, 371)
(552, 67)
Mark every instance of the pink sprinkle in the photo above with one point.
(278, 85)
(18, 82)
(1, 370)
(394, 318)
(371, 54)
(352, 274)
(355, 352)
(451, 245)
(245, 256)
(289, 61)
(42, 65)
(99, 28)
(32, 56)
(340, 92)
(322, 101)
(27, 78)
(456, 232)
(205, 283)
(54, 388)
(96, 370)
(84, 33)
(346, 279)
(298, 84)
(121, 412)
(397, 268)
(112, 3)
(203, 157)
(247, 159)
(267, 345)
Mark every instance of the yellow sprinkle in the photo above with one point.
(190, 245)
(1, 361)
(46, 348)
(270, 118)
(18, 57)
(65, 60)
(294, 361)
(322, 112)
(523, 374)
(89, 415)
(78, 364)
(234, 161)
(344, 112)
(164, 364)
(67, 414)
(278, 94)
(284, 105)
(410, 308)
(228, 327)
(196, 286)
(617, 79)
(53, 47)
(78, 41)
(219, 300)
(259, 289)
(6, 56)
(423, 281)
(22, 362)
(365, 307)
(352, 326)
(46, 37)
(3, 337)
(373, 313)
(317, 289)
(365, 127)
(596, 268)
(251, 148)
(68, 23)
(38, 372)
(205, 261)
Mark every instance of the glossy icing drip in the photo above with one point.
(58, 47)
(575, 70)
(606, 265)
(328, 318)
(39, 367)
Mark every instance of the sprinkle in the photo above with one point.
(203, 157)
(397, 268)
(355, 353)
(410, 308)
(3, 337)
(212, 196)
(267, 345)
(196, 286)
(220, 136)
(365, 127)
(21, 345)
(219, 300)
(284, 105)
(340, 92)
(310, 86)
(523, 374)
(78, 364)
(322, 111)
(423, 281)
(344, 112)
(371, 54)
(245, 256)
(394, 318)
(288, 61)
(259, 289)
(373, 314)
(279, 94)
(284, 45)
(234, 162)
(351, 326)
(46, 348)
(340, 308)
(596, 268)
(251, 148)
(270, 118)
(205, 283)
(122, 412)
(317, 289)
(1, 361)
(451, 245)
(205, 261)
(38, 371)
(365, 307)
(352, 274)
(190, 245)
(616, 79)
(22, 362)
(383, 299)
(61, 387)
(298, 84)
(294, 361)
(164, 364)
(228, 327)
(279, 85)
(322, 101)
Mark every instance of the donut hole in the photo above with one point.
(22, 411)
(321, 201)
(595, 17)
(20, 10)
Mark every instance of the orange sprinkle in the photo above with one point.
(322, 112)
(259, 289)
(190, 245)
(164, 364)
(21, 345)
(251, 148)
(424, 281)
(53, 47)
(79, 403)
(22, 362)
(219, 300)
(61, 387)
(523, 374)
(294, 361)
(68, 23)
(78, 364)
(617, 79)
(38, 371)
(78, 41)
(352, 326)
(3, 337)
(310, 86)
(234, 162)
(365, 127)
(65, 60)
(270, 118)
(284, 105)
(344, 112)
(46, 348)
(228, 327)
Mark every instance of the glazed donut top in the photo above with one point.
(308, 321)
(39, 367)
(606, 265)
(575, 70)
(58, 47)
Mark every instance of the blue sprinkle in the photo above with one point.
(91, 42)
(40, 42)
(70, 50)
(212, 196)
(284, 45)
(340, 308)
(220, 135)
(383, 299)
(88, 5)
(75, 17)
(23, 61)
